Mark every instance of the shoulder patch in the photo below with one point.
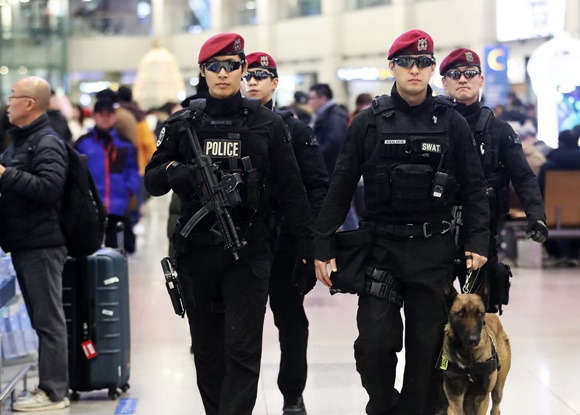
(514, 138)
(311, 140)
(161, 136)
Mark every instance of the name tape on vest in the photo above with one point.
(223, 148)
(431, 148)
(395, 142)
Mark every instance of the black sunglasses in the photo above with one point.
(258, 75)
(456, 74)
(216, 66)
(408, 62)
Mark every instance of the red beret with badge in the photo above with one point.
(260, 60)
(410, 43)
(459, 57)
(221, 44)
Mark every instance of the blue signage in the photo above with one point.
(496, 85)
(126, 406)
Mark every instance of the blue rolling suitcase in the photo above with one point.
(96, 304)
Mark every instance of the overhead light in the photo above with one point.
(143, 9)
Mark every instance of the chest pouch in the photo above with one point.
(420, 184)
(411, 187)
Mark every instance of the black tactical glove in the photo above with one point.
(304, 278)
(180, 178)
(537, 230)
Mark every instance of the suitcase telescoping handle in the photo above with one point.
(120, 227)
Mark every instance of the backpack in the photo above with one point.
(83, 216)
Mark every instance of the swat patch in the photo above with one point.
(431, 147)
(395, 142)
(161, 137)
(223, 148)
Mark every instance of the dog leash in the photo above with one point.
(469, 282)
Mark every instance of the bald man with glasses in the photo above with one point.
(32, 181)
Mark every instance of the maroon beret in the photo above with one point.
(221, 44)
(459, 57)
(411, 42)
(260, 60)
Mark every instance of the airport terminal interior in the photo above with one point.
(84, 46)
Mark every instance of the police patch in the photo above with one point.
(431, 147)
(223, 148)
(161, 137)
(395, 142)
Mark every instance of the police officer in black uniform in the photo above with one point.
(289, 284)
(502, 160)
(414, 151)
(225, 298)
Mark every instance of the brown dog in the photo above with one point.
(476, 355)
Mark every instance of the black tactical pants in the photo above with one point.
(290, 318)
(225, 302)
(421, 265)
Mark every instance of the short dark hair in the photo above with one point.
(125, 94)
(363, 99)
(322, 90)
(568, 139)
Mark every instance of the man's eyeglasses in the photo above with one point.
(216, 66)
(408, 62)
(456, 74)
(258, 75)
(11, 97)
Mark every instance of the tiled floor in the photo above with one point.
(542, 320)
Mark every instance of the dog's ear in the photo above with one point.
(483, 292)
(449, 293)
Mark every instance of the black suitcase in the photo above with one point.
(96, 304)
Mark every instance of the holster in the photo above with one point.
(353, 248)
(499, 285)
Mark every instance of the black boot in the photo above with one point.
(294, 406)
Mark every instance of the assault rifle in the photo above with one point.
(217, 194)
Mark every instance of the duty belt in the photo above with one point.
(412, 230)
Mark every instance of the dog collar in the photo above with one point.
(480, 368)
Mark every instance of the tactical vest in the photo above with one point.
(232, 148)
(487, 137)
(406, 165)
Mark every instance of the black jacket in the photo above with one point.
(561, 158)
(330, 129)
(512, 157)
(310, 162)
(32, 187)
(59, 124)
(465, 166)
